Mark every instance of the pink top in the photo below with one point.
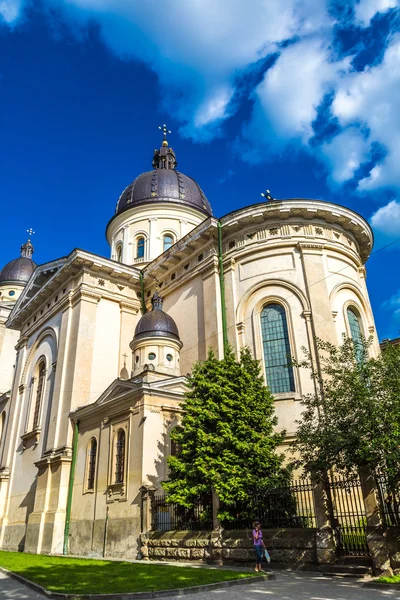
(257, 540)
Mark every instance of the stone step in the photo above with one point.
(350, 570)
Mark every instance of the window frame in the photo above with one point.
(288, 340)
(350, 307)
(138, 239)
(117, 469)
(91, 469)
(169, 235)
(119, 248)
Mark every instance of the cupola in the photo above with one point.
(156, 344)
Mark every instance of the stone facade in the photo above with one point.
(289, 547)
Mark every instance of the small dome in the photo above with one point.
(20, 269)
(156, 322)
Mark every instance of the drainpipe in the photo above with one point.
(141, 280)
(222, 289)
(70, 488)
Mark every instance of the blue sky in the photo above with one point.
(297, 96)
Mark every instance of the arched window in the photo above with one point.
(39, 395)
(140, 247)
(167, 242)
(91, 470)
(276, 346)
(356, 333)
(120, 456)
(119, 253)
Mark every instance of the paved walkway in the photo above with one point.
(298, 586)
(287, 586)
(13, 590)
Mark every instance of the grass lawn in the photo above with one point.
(87, 576)
(393, 579)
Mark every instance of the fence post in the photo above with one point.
(325, 541)
(216, 533)
(376, 539)
(147, 493)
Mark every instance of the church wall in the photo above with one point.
(29, 447)
(105, 347)
(186, 304)
(8, 340)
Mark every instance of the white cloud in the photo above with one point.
(393, 304)
(10, 11)
(345, 154)
(198, 48)
(287, 99)
(386, 220)
(365, 10)
(371, 98)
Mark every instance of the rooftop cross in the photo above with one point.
(267, 195)
(165, 130)
(30, 231)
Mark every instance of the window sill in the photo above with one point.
(29, 436)
(287, 396)
(116, 492)
(88, 492)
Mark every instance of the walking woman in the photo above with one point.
(258, 544)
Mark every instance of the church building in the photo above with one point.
(94, 351)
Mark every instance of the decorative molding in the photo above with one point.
(31, 435)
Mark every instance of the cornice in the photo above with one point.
(61, 272)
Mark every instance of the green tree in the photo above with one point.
(353, 418)
(226, 441)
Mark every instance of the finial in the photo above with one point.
(125, 356)
(27, 248)
(156, 301)
(165, 130)
(267, 195)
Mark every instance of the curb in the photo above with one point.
(381, 586)
(140, 595)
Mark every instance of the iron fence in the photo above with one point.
(288, 506)
(167, 516)
(389, 500)
(349, 518)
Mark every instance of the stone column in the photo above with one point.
(325, 541)
(376, 535)
(147, 493)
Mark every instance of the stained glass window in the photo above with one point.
(92, 455)
(277, 355)
(356, 333)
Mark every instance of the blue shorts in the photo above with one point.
(259, 552)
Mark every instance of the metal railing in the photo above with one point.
(168, 516)
(389, 500)
(349, 517)
(289, 506)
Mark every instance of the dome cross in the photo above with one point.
(165, 130)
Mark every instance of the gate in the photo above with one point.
(349, 518)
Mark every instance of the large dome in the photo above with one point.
(156, 322)
(164, 184)
(20, 269)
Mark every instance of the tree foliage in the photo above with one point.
(353, 418)
(227, 439)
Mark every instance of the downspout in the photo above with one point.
(141, 280)
(70, 488)
(222, 289)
